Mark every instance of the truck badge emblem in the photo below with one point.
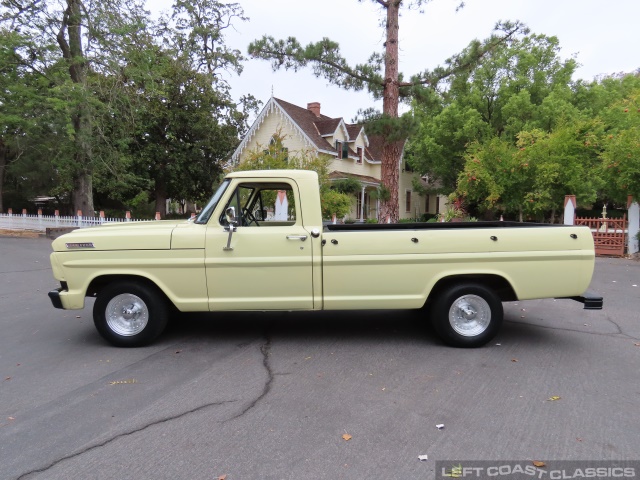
(80, 245)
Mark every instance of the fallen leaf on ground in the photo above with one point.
(637, 344)
(8, 378)
(537, 463)
(10, 418)
(552, 399)
(222, 477)
(346, 437)
(514, 359)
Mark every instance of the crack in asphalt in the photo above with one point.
(265, 349)
(608, 318)
(121, 435)
(620, 331)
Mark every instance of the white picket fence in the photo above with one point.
(40, 223)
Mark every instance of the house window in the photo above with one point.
(360, 152)
(342, 149)
(426, 204)
(407, 201)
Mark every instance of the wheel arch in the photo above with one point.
(101, 281)
(500, 285)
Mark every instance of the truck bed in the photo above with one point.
(433, 226)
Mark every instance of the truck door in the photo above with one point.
(266, 262)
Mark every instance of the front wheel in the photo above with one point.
(467, 315)
(130, 314)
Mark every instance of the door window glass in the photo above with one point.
(263, 205)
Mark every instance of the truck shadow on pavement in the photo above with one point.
(399, 326)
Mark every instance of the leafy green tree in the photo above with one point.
(593, 98)
(130, 105)
(621, 149)
(381, 77)
(519, 85)
(68, 42)
(532, 177)
(438, 146)
(33, 124)
(335, 203)
(495, 177)
(181, 136)
(562, 162)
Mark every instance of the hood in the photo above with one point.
(154, 235)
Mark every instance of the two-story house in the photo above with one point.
(352, 153)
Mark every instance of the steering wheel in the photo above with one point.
(247, 215)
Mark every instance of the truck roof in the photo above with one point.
(300, 174)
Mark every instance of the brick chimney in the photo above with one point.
(314, 107)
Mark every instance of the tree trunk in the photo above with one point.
(72, 52)
(160, 194)
(391, 151)
(3, 168)
(82, 194)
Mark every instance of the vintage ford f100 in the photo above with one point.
(260, 244)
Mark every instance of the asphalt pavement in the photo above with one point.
(347, 395)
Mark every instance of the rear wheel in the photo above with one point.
(467, 315)
(130, 313)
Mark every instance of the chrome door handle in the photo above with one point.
(297, 237)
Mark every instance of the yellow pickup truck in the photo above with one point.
(261, 244)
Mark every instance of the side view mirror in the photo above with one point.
(230, 215)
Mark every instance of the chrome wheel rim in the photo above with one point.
(470, 315)
(127, 314)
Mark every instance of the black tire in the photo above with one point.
(466, 315)
(139, 313)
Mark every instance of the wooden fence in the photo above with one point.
(609, 234)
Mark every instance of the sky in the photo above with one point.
(603, 36)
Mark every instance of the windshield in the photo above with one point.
(206, 212)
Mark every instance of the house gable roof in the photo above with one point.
(314, 130)
(327, 127)
(295, 118)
